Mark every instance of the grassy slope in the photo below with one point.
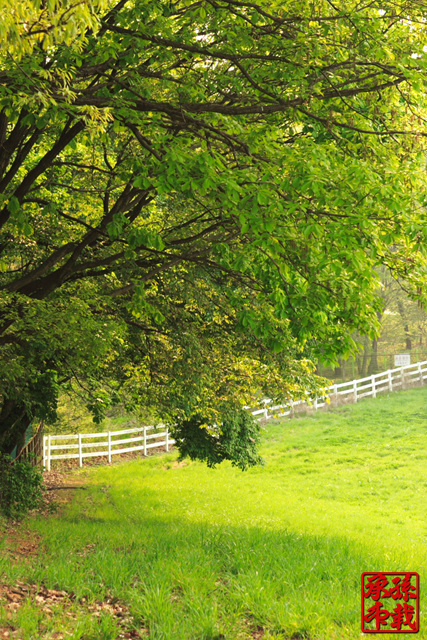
(197, 552)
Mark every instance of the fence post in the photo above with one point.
(374, 390)
(335, 394)
(355, 390)
(292, 409)
(315, 403)
(48, 452)
(402, 379)
(167, 439)
(421, 374)
(145, 441)
(109, 447)
(265, 413)
(390, 381)
(45, 452)
(80, 451)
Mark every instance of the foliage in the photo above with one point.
(235, 439)
(404, 320)
(31, 24)
(194, 197)
(73, 417)
(403, 329)
(20, 487)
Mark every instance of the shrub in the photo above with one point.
(21, 487)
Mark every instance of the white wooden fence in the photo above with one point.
(144, 438)
(110, 443)
(391, 380)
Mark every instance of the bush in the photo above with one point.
(21, 487)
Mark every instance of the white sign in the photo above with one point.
(402, 359)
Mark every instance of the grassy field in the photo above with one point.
(274, 552)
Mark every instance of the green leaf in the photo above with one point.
(13, 205)
(142, 182)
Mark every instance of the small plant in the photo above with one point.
(21, 487)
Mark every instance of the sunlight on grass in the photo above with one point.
(199, 552)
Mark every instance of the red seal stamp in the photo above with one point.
(390, 602)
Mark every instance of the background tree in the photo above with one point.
(404, 322)
(195, 195)
(403, 328)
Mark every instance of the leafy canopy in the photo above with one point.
(194, 197)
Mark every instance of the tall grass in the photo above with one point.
(274, 552)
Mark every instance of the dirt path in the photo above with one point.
(23, 546)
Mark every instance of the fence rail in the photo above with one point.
(145, 438)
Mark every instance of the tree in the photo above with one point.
(404, 322)
(195, 196)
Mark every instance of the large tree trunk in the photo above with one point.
(373, 365)
(14, 421)
(362, 360)
(408, 340)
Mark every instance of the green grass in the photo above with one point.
(205, 554)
